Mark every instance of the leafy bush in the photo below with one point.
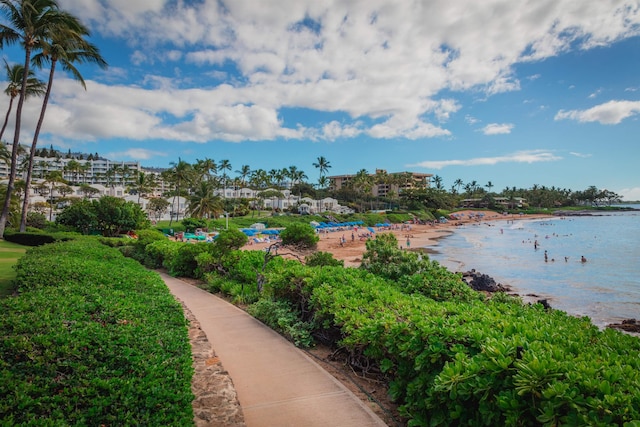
(279, 316)
(300, 235)
(319, 259)
(92, 339)
(36, 220)
(183, 263)
(190, 224)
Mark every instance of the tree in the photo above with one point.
(31, 22)
(300, 235)
(157, 206)
(202, 203)
(88, 191)
(243, 174)
(144, 183)
(53, 178)
(79, 215)
(322, 164)
(35, 87)
(180, 175)
(224, 166)
(115, 216)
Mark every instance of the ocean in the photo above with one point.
(606, 287)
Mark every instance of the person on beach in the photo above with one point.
(408, 243)
(546, 257)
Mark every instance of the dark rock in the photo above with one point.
(627, 325)
(482, 282)
(544, 303)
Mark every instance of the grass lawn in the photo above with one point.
(9, 255)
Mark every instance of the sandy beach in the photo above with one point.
(418, 235)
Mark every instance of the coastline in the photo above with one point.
(422, 237)
(419, 236)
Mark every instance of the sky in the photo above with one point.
(508, 92)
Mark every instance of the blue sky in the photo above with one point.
(509, 91)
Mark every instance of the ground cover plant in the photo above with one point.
(92, 338)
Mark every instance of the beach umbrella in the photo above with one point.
(371, 229)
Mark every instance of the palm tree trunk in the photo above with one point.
(32, 152)
(6, 118)
(16, 141)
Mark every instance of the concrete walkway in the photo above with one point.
(277, 384)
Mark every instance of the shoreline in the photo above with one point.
(422, 237)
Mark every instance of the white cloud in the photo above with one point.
(497, 128)
(609, 113)
(581, 155)
(531, 156)
(630, 194)
(135, 154)
(371, 59)
(595, 94)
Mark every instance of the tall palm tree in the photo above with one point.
(144, 183)
(322, 164)
(458, 183)
(35, 87)
(30, 23)
(53, 178)
(243, 173)
(224, 165)
(180, 174)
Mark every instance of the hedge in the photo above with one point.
(92, 339)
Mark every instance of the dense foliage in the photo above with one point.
(300, 235)
(451, 356)
(92, 339)
(108, 215)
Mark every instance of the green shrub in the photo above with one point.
(279, 316)
(190, 224)
(92, 339)
(300, 235)
(183, 263)
(319, 259)
(157, 252)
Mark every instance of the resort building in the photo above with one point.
(384, 183)
(509, 203)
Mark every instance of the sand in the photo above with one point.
(420, 236)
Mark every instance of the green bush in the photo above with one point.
(183, 263)
(300, 235)
(190, 224)
(279, 316)
(92, 339)
(320, 259)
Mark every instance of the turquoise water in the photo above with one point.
(606, 288)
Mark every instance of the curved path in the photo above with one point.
(277, 384)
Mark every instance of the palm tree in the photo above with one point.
(207, 168)
(224, 165)
(31, 22)
(437, 180)
(458, 183)
(322, 164)
(180, 174)
(202, 203)
(53, 178)
(144, 183)
(35, 87)
(489, 186)
(244, 173)
(66, 45)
